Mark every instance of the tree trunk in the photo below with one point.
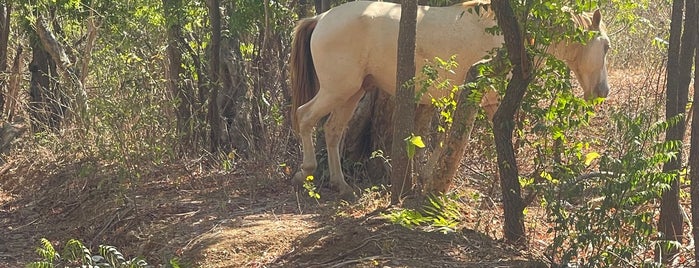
(175, 83)
(503, 121)
(233, 104)
(404, 114)
(680, 59)
(214, 69)
(322, 6)
(302, 9)
(46, 103)
(441, 168)
(5, 13)
(14, 84)
(73, 94)
(694, 162)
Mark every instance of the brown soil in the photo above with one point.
(219, 219)
(251, 216)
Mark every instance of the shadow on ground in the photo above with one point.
(213, 219)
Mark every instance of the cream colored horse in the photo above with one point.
(335, 55)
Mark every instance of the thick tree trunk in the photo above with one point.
(46, 103)
(503, 121)
(371, 133)
(404, 114)
(680, 59)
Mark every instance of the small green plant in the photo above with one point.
(311, 187)
(439, 213)
(75, 254)
(602, 219)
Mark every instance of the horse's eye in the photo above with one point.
(606, 48)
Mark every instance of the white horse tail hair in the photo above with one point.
(304, 80)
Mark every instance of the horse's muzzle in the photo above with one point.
(602, 90)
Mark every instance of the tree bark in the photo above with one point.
(14, 84)
(5, 13)
(322, 6)
(694, 161)
(404, 113)
(503, 121)
(75, 101)
(46, 103)
(92, 27)
(302, 9)
(175, 82)
(214, 69)
(680, 59)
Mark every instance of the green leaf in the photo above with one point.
(589, 157)
(417, 141)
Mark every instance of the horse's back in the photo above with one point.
(359, 38)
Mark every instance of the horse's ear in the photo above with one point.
(596, 19)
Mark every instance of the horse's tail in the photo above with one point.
(304, 81)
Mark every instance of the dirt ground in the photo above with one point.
(222, 219)
(250, 216)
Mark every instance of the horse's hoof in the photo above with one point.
(348, 194)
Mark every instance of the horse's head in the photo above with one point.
(589, 60)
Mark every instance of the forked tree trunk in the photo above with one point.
(503, 121)
(680, 59)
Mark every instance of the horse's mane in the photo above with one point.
(488, 10)
(584, 20)
(474, 3)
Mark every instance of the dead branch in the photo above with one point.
(92, 27)
(13, 89)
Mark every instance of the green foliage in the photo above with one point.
(311, 187)
(603, 219)
(643, 29)
(439, 213)
(432, 76)
(75, 254)
(412, 143)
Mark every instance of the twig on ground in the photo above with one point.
(353, 261)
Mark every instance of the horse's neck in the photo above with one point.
(564, 51)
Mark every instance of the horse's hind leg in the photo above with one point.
(334, 132)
